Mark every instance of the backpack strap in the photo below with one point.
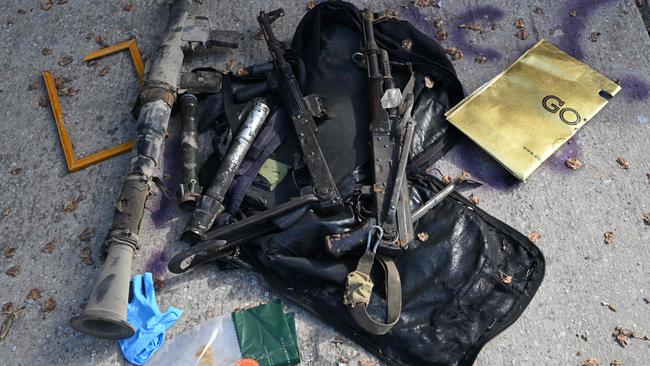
(359, 287)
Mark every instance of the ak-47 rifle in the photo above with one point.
(302, 110)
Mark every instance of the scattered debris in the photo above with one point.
(103, 71)
(87, 234)
(11, 251)
(127, 6)
(231, 64)
(22, 11)
(311, 4)
(591, 362)
(423, 236)
(47, 5)
(48, 248)
(455, 53)
(13, 271)
(646, 300)
(12, 315)
(573, 163)
(612, 307)
(61, 2)
(16, 171)
(646, 218)
(616, 363)
(33, 86)
(70, 206)
(523, 34)
(34, 294)
(46, 51)
(573, 13)
(474, 27)
(609, 237)
(86, 256)
(438, 23)
(6, 212)
(538, 11)
(623, 336)
(428, 82)
(623, 163)
(65, 60)
(446, 179)
(505, 279)
(49, 305)
(480, 59)
(534, 236)
(158, 284)
(594, 36)
(100, 41)
(426, 3)
(407, 44)
(474, 198)
(92, 63)
(519, 23)
(442, 35)
(367, 363)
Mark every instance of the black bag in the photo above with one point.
(469, 280)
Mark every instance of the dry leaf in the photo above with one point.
(438, 23)
(34, 294)
(33, 86)
(442, 35)
(48, 248)
(11, 251)
(86, 255)
(519, 23)
(474, 27)
(622, 336)
(16, 171)
(609, 237)
(127, 6)
(46, 51)
(646, 218)
(591, 362)
(103, 71)
(407, 44)
(523, 34)
(65, 60)
(505, 279)
(446, 179)
(475, 199)
(311, 4)
(70, 206)
(573, 13)
(13, 271)
(594, 36)
(87, 234)
(616, 363)
(12, 315)
(573, 163)
(455, 53)
(6, 212)
(92, 63)
(423, 236)
(100, 41)
(49, 305)
(623, 163)
(612, 307)
(534, 236)
(428, 82)
(480, 59)
(60, 81)
(46, 5)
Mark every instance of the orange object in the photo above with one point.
(247, 362)
(131, 45)
(71, 160)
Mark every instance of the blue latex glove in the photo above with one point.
(149, 322)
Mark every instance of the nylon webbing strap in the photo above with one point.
(359, 290)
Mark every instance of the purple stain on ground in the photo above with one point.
(574, 27)
(634, 88)
(483, 15)
(481, 166)
(165, 208)
(571, 149)
(157, 263)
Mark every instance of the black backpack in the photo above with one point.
(467, 277)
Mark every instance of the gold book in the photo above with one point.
(524, 114)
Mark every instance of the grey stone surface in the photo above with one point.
(565, 323)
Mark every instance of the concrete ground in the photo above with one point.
(566, 323)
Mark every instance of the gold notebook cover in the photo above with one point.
(524, 114)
